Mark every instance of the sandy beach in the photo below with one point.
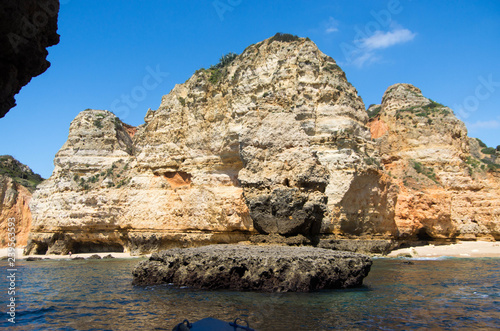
(21, 256)
(461, 249)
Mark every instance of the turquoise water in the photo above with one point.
(446, 294)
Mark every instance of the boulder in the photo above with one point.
(242, 267)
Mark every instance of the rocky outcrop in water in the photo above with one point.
(27, 28)
(273, 141)
(240, 267)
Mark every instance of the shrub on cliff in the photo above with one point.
(284, 37)
(216, 72)
(19, 172)
(374, 110)
(481, 144)
(421, 169)
(225, 60)
(432, 108)
(488, 150)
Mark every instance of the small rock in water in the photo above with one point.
(32, 258)
(94, 257)
(109, 256)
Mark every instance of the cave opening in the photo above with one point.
(41, 248)
(423, 235)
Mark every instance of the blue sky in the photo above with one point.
(125, 55)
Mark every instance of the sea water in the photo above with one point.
(446, 293)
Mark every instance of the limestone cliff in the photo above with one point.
(27, 28)
(273, 141)
(447, 187)
(17, 181)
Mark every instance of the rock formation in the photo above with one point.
(17, 182)
(27, 28)
(240, 267)
(447, 188)
(273, 141)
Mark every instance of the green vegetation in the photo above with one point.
(110, 175)
(332, 68)
(123, 182)
(226, 60)
(216, 72)
(421, 169)
(433, 108)
(472, 162)
(182, 101)
(98, 123)
(19, 172)
(498, 148)
(374, 111)
(491, 165)
(488, 150)
(481, 144)
(215, 75)
(475, 164)
(284, 37)
(118, 123)
(372, 161)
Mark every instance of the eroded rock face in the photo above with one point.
(444, 190)
(14, 206)
(17, 182)
(100, 199)
(275, 142)
(27, 28)
(233, 151)
(239, 267)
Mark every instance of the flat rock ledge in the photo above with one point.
(257, 268)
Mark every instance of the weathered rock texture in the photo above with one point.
(240, 267)
(446, 187)
(276, 141)
(17, 181)
(27, 28)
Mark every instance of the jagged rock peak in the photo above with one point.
(271, 72)
(95, 138)
(402, 96)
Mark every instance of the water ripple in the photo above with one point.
(97, 295)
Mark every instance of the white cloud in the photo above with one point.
(493, 124)
(331, 26)
(364, 51)
(364, 58)
(382, 39)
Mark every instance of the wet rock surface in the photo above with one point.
(241, 267)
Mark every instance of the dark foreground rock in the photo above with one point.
(31, 259)
(27, 28)
(270, 269)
